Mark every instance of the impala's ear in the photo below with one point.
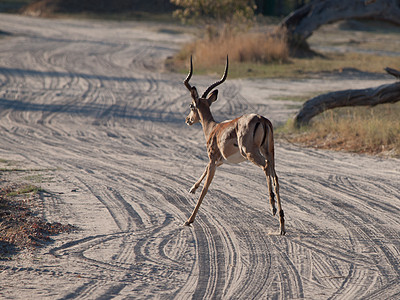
(194, 94)
(213, 97)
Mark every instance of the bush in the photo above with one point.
(220, 11)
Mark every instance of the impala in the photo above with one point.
(249, 137)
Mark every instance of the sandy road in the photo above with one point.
(87, 103)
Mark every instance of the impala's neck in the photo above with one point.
(207, 121)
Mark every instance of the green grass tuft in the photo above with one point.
(26, 189)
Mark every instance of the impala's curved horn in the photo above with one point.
(186, 82)
(215, 84)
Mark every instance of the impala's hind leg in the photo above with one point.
(271, 194)
(278, 198)
(256, 158)
(268, 151)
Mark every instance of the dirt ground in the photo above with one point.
(87, 107)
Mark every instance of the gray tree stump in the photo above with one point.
(301, 23)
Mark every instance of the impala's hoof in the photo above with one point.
(283, 232)
(193, 190)
(187, 223)
(274, 211)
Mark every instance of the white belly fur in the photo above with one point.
(235, 158)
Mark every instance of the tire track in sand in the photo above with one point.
(87, 98)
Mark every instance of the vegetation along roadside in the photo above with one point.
(22, 223)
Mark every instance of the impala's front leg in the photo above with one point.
(198, 182)
(210, 171)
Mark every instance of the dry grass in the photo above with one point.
(241, 47)
(362, 130)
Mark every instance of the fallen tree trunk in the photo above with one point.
(387, 93)
(301, 23)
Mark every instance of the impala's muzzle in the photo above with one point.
(189, 121)
(193, 116)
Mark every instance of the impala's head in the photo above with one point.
(203, 102)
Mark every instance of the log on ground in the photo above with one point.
(387, 93)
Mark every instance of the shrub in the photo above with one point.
(220, 11)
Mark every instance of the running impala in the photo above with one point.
(248, 137)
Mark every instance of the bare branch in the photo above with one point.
(387, 93)
(393, 72)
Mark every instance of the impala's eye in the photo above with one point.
(192, 107)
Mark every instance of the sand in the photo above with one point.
(89, 105)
